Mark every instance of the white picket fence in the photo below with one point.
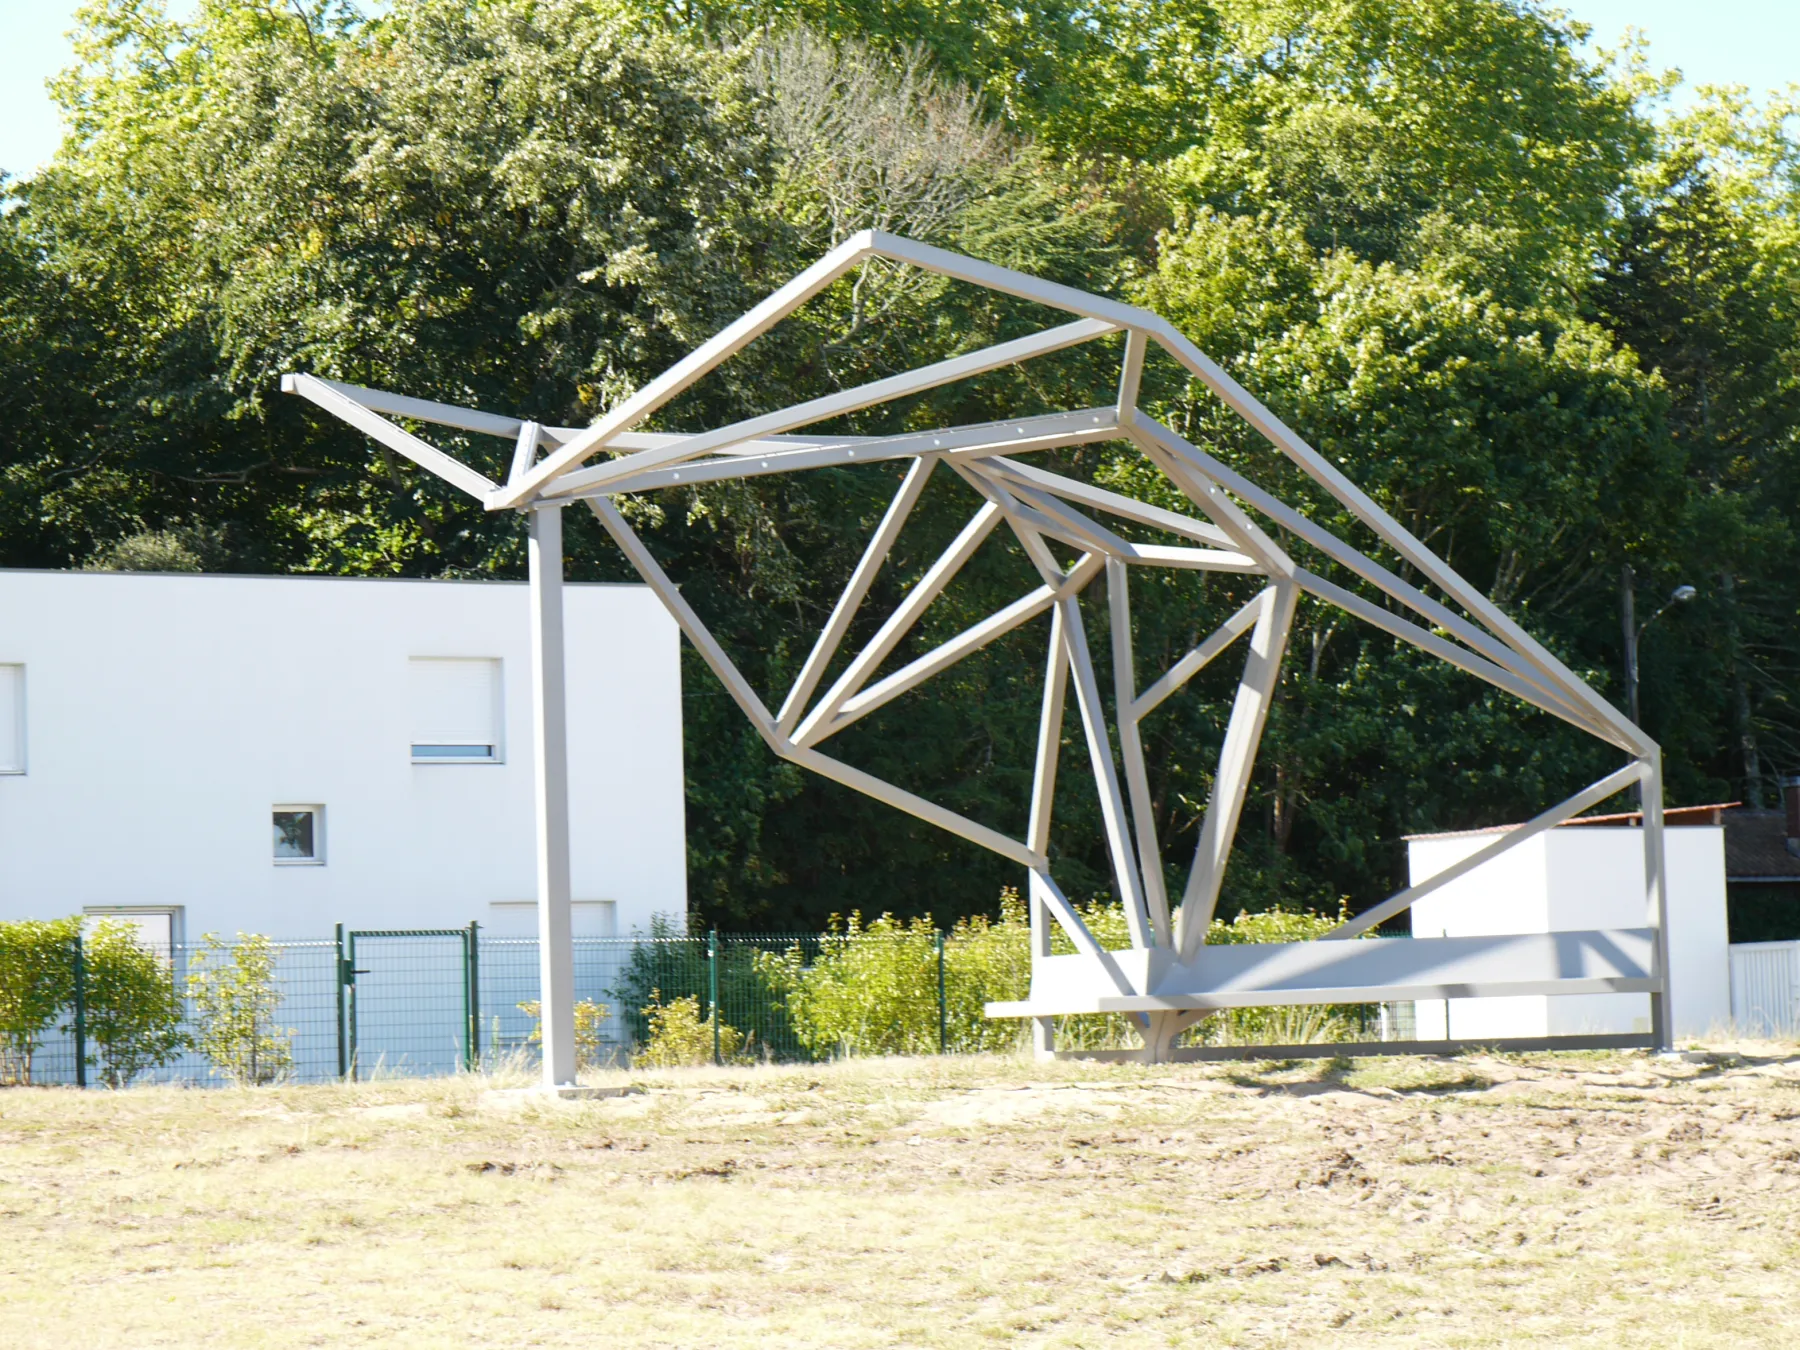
(1765, 988)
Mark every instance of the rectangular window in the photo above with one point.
(456, 710)
(157, 930)
(12, 718)
(299, 834)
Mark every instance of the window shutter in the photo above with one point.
(456, 703)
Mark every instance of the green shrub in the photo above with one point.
(133, 1008)
(869, 991)
(37, 981)
(871, 987)
(1009, 975)
(679, 1037)
(672, 965)
(987, 961)
(590, 1020)
(235, 999)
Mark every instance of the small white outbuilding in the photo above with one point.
(1586, 875)
(277, 754)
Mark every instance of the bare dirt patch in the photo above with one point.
(1565, 1201)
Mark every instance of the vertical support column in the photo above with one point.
(343, 978)
(1159, 1032)
(1656, 897)
(550, 744)
(1043, 796)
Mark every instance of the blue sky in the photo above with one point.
(1753, 42)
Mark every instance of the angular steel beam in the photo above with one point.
(835, 405)
(1200, 657)
(1592, 795)
(899, 623)
(690, 368)
(867, 568)
(1249, 712)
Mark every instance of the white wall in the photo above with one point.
(166, 715)
(1570, 880)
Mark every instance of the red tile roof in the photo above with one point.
(1756, 847)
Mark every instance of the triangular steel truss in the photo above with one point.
(551, 467)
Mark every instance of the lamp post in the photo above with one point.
(1635, 630)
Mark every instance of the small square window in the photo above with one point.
(456, 710)
(299, 834)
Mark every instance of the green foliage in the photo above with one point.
(132, 1003)
(680, 1038)
(986, 962)
(149, 551)
(236, 999)
(669, 965)
(1545, 330)
(870, 990)
(37, 982)
(590, 1029)
(1366, 123)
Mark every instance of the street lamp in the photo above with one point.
(1635, 630)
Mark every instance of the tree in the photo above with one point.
(133, 1005)
(1374, 125)
(1445, 244)
(1510, 439)
(1702, 281)
(236, 999)
(37, 982)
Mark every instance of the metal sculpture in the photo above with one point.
(1169, 977)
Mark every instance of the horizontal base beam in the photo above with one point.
(1320, 997)
(1366, 1049)
(1380, 970)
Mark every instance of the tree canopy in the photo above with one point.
(1553, 329)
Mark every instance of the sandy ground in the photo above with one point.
(1567, 1201)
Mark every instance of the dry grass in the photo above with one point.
(1568, 1201)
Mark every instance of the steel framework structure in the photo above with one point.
(1168, 977)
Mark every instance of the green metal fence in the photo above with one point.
(370, 1003)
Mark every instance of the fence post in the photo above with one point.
(943, 1011)
(472, 992)
(80, 1015)
(712, 987)
(348, 991)
(343, 1047)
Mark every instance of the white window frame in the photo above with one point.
(318, 815)
(498, 756)
(176, 915)
(18, 713)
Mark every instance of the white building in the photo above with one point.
(1580, 877)
(278, 754)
